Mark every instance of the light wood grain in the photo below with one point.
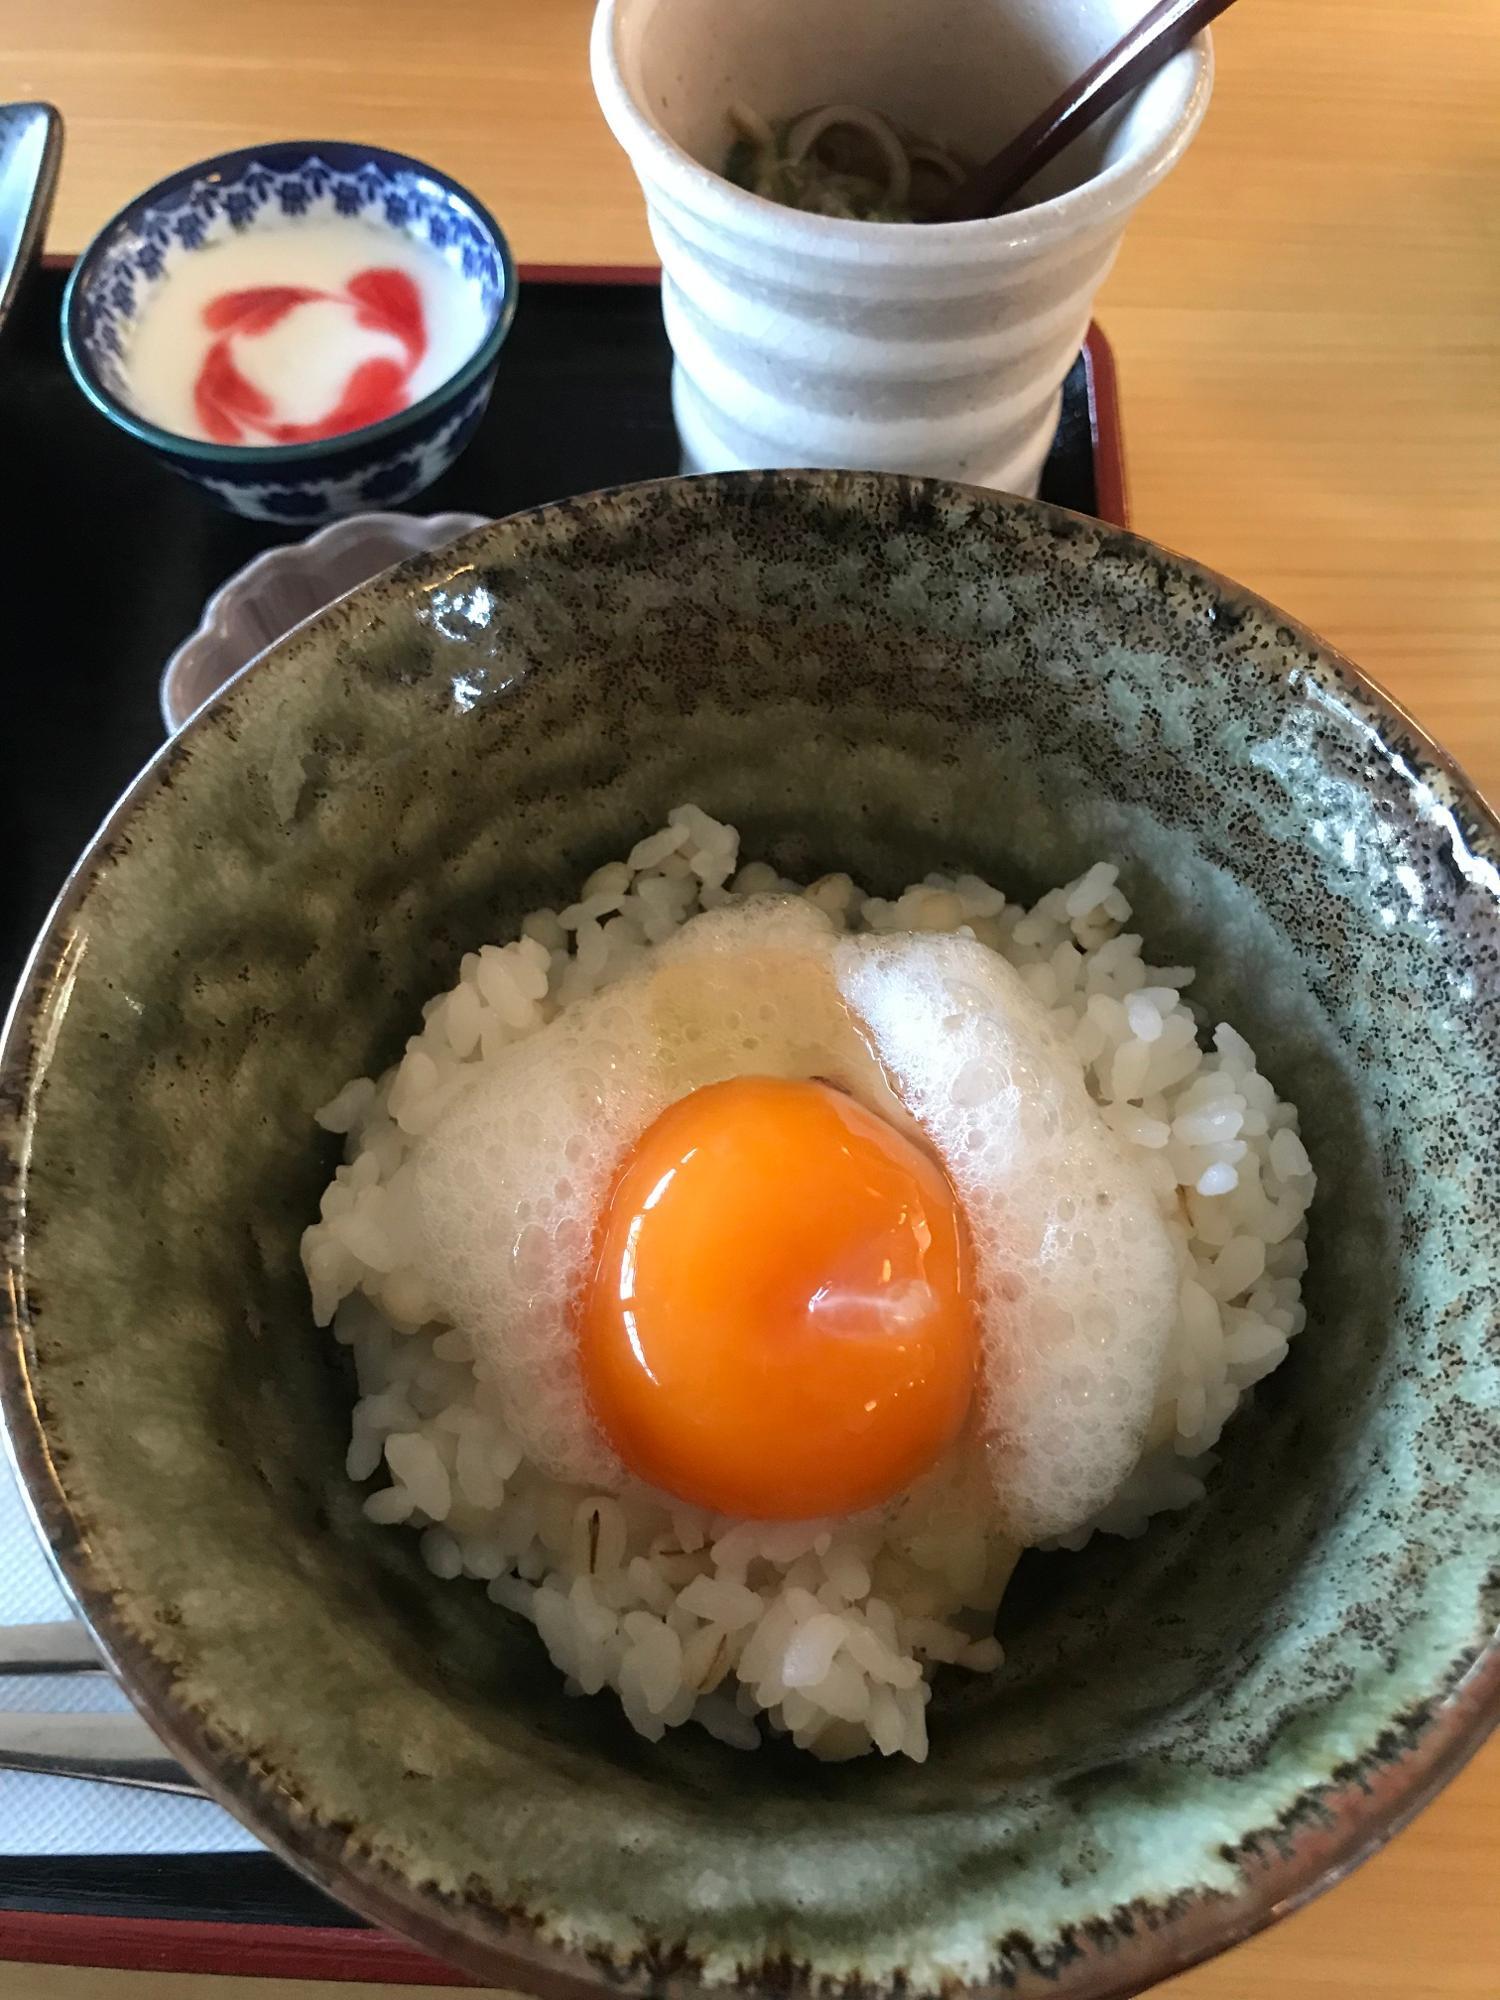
(1307, 319)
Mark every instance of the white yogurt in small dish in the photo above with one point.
(307, 330)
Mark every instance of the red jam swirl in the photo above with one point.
(232, 410)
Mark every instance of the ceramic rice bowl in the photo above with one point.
(1193, 1731)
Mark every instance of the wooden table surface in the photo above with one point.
(1307, 321)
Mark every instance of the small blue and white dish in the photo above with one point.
(383, 464)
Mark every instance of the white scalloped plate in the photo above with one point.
(283, 589)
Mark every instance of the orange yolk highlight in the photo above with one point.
(778, 1322)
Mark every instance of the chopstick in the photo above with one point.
(117, 1749)
(61, 1648)
(1162, 32)
(114, 1749)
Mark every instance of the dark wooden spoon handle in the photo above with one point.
(1162, 32)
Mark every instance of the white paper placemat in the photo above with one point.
(65, 1815)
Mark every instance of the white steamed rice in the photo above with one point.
(827, 1630)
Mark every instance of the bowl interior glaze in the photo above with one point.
(866, 673)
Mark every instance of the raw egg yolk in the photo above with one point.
(778, 1324)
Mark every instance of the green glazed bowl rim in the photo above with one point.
(1282, 1866)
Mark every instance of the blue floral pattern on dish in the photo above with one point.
(324, 493)
(211, 203)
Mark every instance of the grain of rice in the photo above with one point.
(440, 1552)
(389, 1507)
(362, 1460)
(483, 1557)
(720, 1601)
(1288, 1156)
(810, 1650)
(344, 1111)
(414, 1462)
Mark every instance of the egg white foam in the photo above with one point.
(1076, 1275)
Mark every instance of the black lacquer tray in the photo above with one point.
(107, 560)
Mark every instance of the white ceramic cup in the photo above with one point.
(810, 340)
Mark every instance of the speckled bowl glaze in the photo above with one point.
(1194, 1731)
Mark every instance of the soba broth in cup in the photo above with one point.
(807, 339)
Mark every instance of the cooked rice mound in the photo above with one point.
(826, 1630)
